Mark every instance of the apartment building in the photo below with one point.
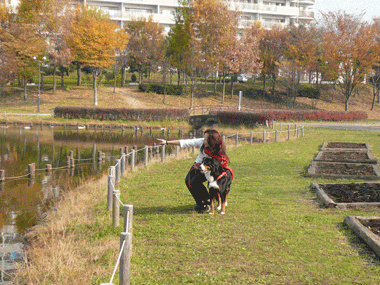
(268, 12)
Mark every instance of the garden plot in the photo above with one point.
(368, 228)
(344, 146)
(356, 195)
(349, 156)
(336, 170)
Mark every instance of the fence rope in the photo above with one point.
(117, 262)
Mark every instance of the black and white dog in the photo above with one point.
(219, 182)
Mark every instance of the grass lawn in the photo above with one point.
(274, 231)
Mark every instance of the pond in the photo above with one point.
(24, 198)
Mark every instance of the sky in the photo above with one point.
(371, 7)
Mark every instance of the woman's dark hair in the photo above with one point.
(215, 143)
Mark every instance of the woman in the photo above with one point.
(211, 145)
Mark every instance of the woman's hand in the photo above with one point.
(162, 142)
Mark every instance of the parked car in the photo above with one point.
(242, 78)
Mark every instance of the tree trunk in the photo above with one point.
(95, 90)
(232, 86)
(179, 77)
(79, 74)
(114, 83)
(62, 79)
(224, 86)
(205, 83)
(25, 94)
(122, 76)
(374, 97)
(54, 79)
(264, 82)
(215, 82)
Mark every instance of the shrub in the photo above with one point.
(115, 114)
(160, 88)
(310, 92)
(253, 118)
(133, 77)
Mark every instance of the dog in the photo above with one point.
(219, 182)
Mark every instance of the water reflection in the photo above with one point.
(24, 198)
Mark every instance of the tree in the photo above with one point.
(273, 42)
(57, 17)
(145, 43)
(375, 75)
(179, 40)
(242, 55)
(349, 50)
(300, 52)
(21, 39)
(93, 40)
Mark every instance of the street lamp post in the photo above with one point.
(39, 83)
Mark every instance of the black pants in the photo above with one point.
(194, 182)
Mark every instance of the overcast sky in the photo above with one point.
(371, 7)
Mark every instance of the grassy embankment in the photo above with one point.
(274, 231)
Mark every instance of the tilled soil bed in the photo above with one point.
(344, 155)
(352, 192)
(345, 169)
(373, 225)
(345, 145)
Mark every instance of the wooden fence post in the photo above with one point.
(236, 138)
(111, 186)
(288, 132)
(31, 169)
(123, 165)
(163, 153)
(275, 138)
(128, 218)
(133, 159)
(264, 138)
(118, 168)
(251, 138)
(125, 258)
(146, 155)
(2, 175)
(115, 208)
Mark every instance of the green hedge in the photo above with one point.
(160, 88)
(309, 92)
(116, 114)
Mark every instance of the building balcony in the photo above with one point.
(264, 9)
(310, 2)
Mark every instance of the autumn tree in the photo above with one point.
(349, 50)
(209, 20)
(299, 53)
(8, 70)
(272, 44)
(93, 40)
(57, 15)
(145, 43)
(179, 41)
(374, 76)
(23, 43)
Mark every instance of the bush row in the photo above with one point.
(115, 114)
(160, 88)
(253, 118)
(309, 92)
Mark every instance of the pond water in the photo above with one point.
(24, 198)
